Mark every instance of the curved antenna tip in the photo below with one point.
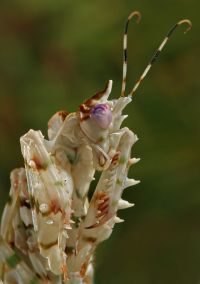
(136, 14)
(186, 21)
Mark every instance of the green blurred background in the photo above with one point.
(55, 54)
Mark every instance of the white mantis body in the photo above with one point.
(49, 228)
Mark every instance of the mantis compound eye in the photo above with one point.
(102, 115)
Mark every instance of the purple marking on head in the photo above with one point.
(102, 114)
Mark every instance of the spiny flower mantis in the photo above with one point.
(50, 229)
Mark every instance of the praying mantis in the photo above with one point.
(50, 229)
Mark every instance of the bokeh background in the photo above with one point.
(55, 54)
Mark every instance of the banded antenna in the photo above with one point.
(154, 57)
(125, 54)
(158, 51)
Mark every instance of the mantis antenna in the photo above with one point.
(158, 51)
(138, 16)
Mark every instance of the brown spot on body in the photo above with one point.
(49, 245)
(63, 114)
(102, 201)
(90, 240)
(101, 196)
(84, 112)
(103, 212)
(84, 267)
(54, 206)
(64, 270)
(38, 164)
(24, 202)
(32, 201)
(12, 244)
(115, 158)
(69, 250)
(84, 108)
(45, 278)
(104, 206)
(46, 214)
